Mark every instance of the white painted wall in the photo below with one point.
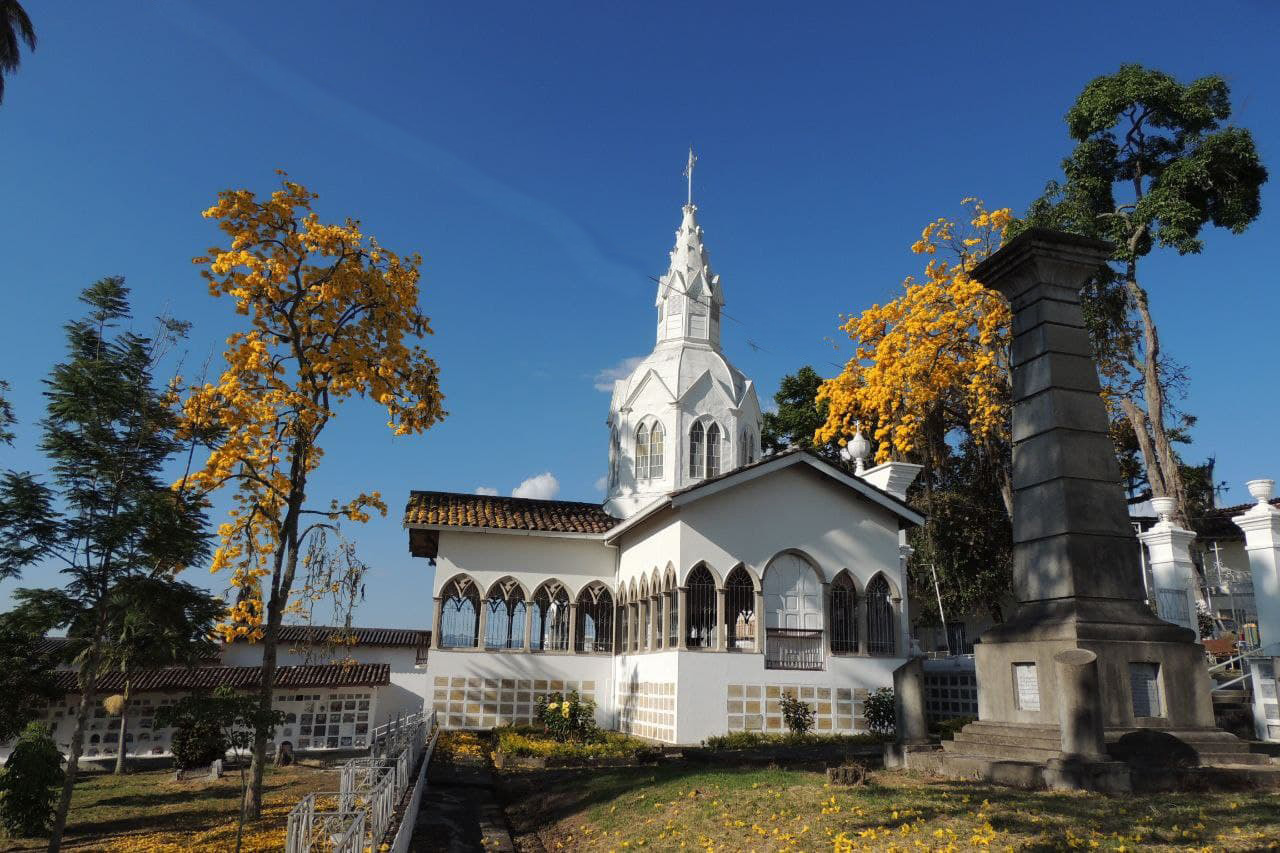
(488, 557)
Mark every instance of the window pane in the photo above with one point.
(655, 451)
(713, 451)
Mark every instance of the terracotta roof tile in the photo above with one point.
(317, 635)
(458, 509)
(209, 677)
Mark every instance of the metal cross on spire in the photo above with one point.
(688, 172)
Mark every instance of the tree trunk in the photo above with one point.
(253, 803)
(88, 687)
(124, 727)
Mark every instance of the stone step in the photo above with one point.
(1000, 751)
(1220, 759)
(1009, 739)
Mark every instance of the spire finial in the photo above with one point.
(688, 173)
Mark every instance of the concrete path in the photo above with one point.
(459, 812)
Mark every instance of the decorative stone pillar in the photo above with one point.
(528, 626)
(761, 634)
(1171, 568)
(482, 623)
(435, 623)
(825, 646)
(722, 630)
(682, 641)
(1261, 526)
(909, 704)
(573, 626)
(1079, 705)
(864, 628)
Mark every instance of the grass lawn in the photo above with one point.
(691, 807)
(148, 811)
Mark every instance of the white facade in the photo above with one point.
(710, 582)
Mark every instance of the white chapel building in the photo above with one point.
(711, 579)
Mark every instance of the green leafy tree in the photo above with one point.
(110, 514)
(212, 723)
(798, 415)
(1155, 162)
(7, 420)
(15, 30)
(29, 783)
(26, 679)
(155, 622)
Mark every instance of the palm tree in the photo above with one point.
(14, 26)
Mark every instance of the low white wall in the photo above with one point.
(483, 689)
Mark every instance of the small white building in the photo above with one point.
(333, 685)
(709, 581)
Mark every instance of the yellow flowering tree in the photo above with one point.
(934, 360)
(329, 314)
(928, 382)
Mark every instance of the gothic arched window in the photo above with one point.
(459, 614)
(655, 451)
(697, 451)
(740, 609)
(702, 609)
(880, 627)
(713, 450)
(844, 615)
(550, 619)
(504, 621)
(642, 453)
(595, 620)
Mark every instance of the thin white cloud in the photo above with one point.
(605, 378)
(602, 484)
(486, 490)
(542, 486)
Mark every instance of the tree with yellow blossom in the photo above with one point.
(329, 314)
(928, 382)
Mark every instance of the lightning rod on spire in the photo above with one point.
(688, 173)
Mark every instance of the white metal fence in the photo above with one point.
(357, 816)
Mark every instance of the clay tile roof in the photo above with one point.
(318, 635)
(1217, 523)
(457, 509)
(244, 677)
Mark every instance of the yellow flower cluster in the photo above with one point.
(938, 351)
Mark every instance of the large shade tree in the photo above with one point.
(329, 314)
(108, 514)
(15, 30)
(1155, 161)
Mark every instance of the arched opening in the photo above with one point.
(844, 615)
(459, 614)
(740, 610)
(713, 450)
(697, 451)
(793, 614)
(702, 609)
(550, 628)
(656, 436)
(642, 453)
(881, 630)
(504, 620)
(594, 631)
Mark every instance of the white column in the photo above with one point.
(1172, 571)
(435, 624)
(682, 641)
(1261, 526)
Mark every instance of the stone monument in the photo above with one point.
(1083, 662)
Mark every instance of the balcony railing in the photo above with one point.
(793, 648)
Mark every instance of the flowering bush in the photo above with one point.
(799, 715)
(880, 712)
(568, 716)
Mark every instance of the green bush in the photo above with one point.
(568, 716)
(799, 715)
(880, 713)
(197, 744)
(30, 783)
(747, 740)
(525, 741)
(946, 729)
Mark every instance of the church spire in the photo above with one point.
(689, 297)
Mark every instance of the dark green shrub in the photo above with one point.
(946, 729)
(30, 783)
(197, 743)
(798, 715)
(879, 711)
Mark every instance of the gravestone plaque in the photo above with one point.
(1144, 682)
(1027, 685)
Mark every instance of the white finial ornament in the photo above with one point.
(1163, 507)
(688, 173)
(857, 449)
(1261, 490)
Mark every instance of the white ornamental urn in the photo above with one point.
(1163, 507)
(1262, 490)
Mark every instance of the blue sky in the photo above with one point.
(532, 154)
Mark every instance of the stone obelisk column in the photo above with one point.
(1076, 573)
